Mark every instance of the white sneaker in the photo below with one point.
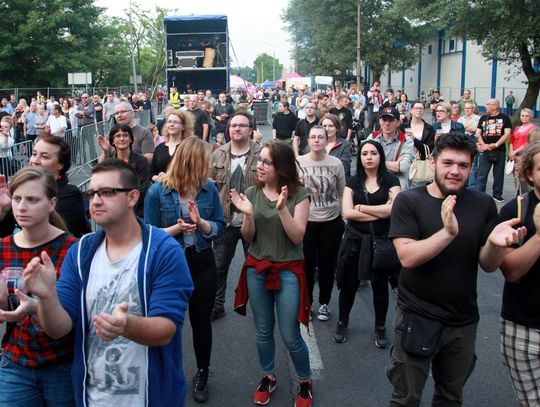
(324, 313)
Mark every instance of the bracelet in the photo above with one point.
(496, 145)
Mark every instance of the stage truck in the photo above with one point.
(197, 53)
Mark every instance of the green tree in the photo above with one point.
(264, 66)
(246, 72)
(507, 29)
(325, 35)
(44, 40)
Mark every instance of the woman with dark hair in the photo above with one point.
(367, 202)
(35, 369)
(337, 146)
(275, 216)
(186, 205)
(54, 154)
(324, 178)
(121, 139)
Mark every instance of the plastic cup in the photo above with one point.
(14, 280)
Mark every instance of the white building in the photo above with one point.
(451, 65)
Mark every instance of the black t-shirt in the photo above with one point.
(200, 117)
(444, 288)
(493, 128)
(161, 159)
(99, 113)
(302, 131)
(136, 105)
(521, 299)
(345, 116)
(379, 197)
(284, 124)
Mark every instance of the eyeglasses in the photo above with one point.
(174, 122)
(122, 112)
(104, 192)
(440, 111)
(239, 125)
(265, 163)
(418, 108)
(121, 135)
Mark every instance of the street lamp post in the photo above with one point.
(132, 49)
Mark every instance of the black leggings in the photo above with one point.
(349, 287)
(203, 273)
(321, 245)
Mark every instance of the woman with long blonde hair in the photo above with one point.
(186, 205)
(178, 127)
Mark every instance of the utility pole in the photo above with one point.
(133, 48)
(358, 59)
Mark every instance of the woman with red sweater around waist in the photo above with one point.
(275, 217)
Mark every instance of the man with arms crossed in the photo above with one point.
(441, 232)
(124, 293)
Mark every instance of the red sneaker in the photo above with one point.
(304, 397)
(262, 393)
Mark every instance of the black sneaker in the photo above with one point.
(498, 199)
(217, 312)
(341, 332)
(200, 386)
(381, 340)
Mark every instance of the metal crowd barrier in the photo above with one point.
(16, 157)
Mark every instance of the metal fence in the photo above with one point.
(76, 91)
(85, 149)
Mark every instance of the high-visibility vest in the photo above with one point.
(174, 99)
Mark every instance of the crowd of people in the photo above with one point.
(95, 318)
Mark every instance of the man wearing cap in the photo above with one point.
(398, 149)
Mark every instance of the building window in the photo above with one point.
(429, 49)
(452, 45)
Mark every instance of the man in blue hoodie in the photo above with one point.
(124, 292)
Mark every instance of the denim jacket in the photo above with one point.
(162, 209)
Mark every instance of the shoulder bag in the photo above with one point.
(384, 254)
(420, 170)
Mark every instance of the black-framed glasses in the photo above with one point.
(265, 163)
(239, 125)
(104, 192)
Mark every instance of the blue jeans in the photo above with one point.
(474, 171)
(484, 166)
(26, 387)
(286, 301)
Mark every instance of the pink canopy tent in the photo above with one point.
(291, 75)
(236, 82)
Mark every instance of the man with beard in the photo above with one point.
(441, 232)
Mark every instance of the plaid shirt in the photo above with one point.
(26, 343)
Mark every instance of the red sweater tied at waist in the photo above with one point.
(272, 283)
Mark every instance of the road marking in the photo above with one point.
(315, 359)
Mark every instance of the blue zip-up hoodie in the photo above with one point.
(165, 286)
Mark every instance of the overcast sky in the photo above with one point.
(255, 26)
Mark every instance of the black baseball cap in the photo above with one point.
(389, 112)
